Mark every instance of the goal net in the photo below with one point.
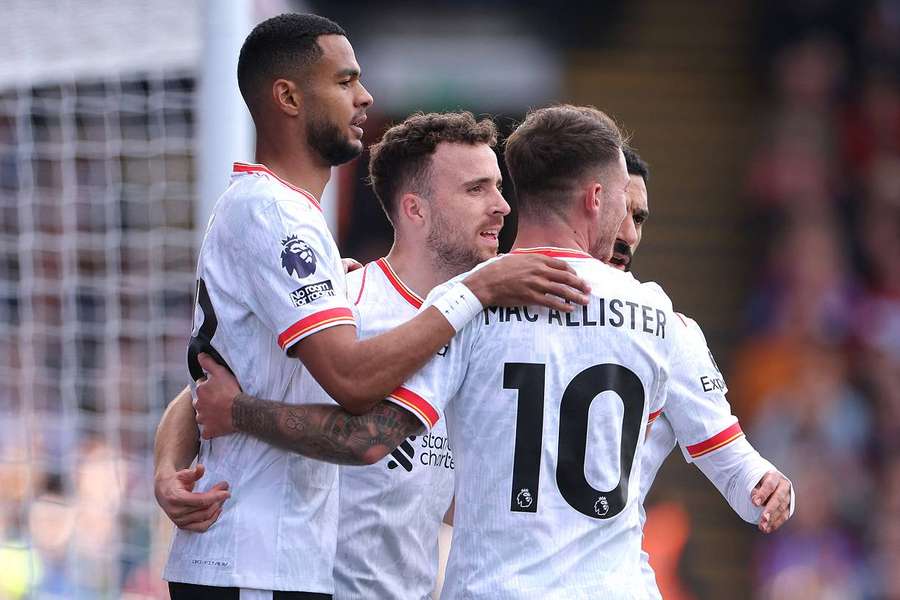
(97, 258)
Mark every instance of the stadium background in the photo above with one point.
(773, 134)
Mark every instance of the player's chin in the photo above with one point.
(356, 143)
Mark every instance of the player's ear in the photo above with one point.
(593, 198)
(287, 97)
(412, 209)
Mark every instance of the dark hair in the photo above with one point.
(401, 160)
(636, 164)
(282, 46)
(553, 148)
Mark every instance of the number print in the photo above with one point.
(579, 395)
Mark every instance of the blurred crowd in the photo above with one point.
(817, 376)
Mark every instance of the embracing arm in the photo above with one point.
(176, 445)
(323, 431)
(357, 374)
(177, 437)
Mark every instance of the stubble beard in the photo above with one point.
(327, 140)
(450, 258)
(602, 250)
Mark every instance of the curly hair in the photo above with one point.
(401, 161)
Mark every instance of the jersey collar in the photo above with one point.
(402, 289)
(240, 167)
(553, 252)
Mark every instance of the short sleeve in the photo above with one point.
(427, 393)
(696, 405)
(295, 279)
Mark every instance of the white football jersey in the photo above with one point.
(547, 413)
(269, 274)
(697, 416)
(391, 512)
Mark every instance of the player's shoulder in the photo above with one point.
(259, 196)
(654, 289)
(607, 280)
(692, 327)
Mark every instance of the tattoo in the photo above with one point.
(248, 414)
(325, 432)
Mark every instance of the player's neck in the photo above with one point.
(557, 235)
(414, 268)
(296, 166)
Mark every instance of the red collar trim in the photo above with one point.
(553, 252)
(408, 295)
(251, 168)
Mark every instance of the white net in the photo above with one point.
(97, 257)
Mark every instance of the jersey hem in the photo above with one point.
(314, 323)
(178, 576)
(415, 404)
(722, 438)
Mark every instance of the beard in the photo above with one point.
(330, 142)
(453, 256)
(623, 250)
(611, 217)
(602, 249)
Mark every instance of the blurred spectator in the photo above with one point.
(815, 557)
(871, 127)
(820, 371)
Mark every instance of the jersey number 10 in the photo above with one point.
(528, 379)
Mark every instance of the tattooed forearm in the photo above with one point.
(325, 432)
(249, 414)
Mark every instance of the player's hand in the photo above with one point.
(350, 265)
(215, 396)
(773, 492)
(528, 279)
(193, 511)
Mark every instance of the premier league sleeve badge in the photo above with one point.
(297, 257)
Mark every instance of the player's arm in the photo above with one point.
(711, 436)
(283, 246)
(321, 431)
(753, 487)
(358, 374)
(324, 431)
(176, 445)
